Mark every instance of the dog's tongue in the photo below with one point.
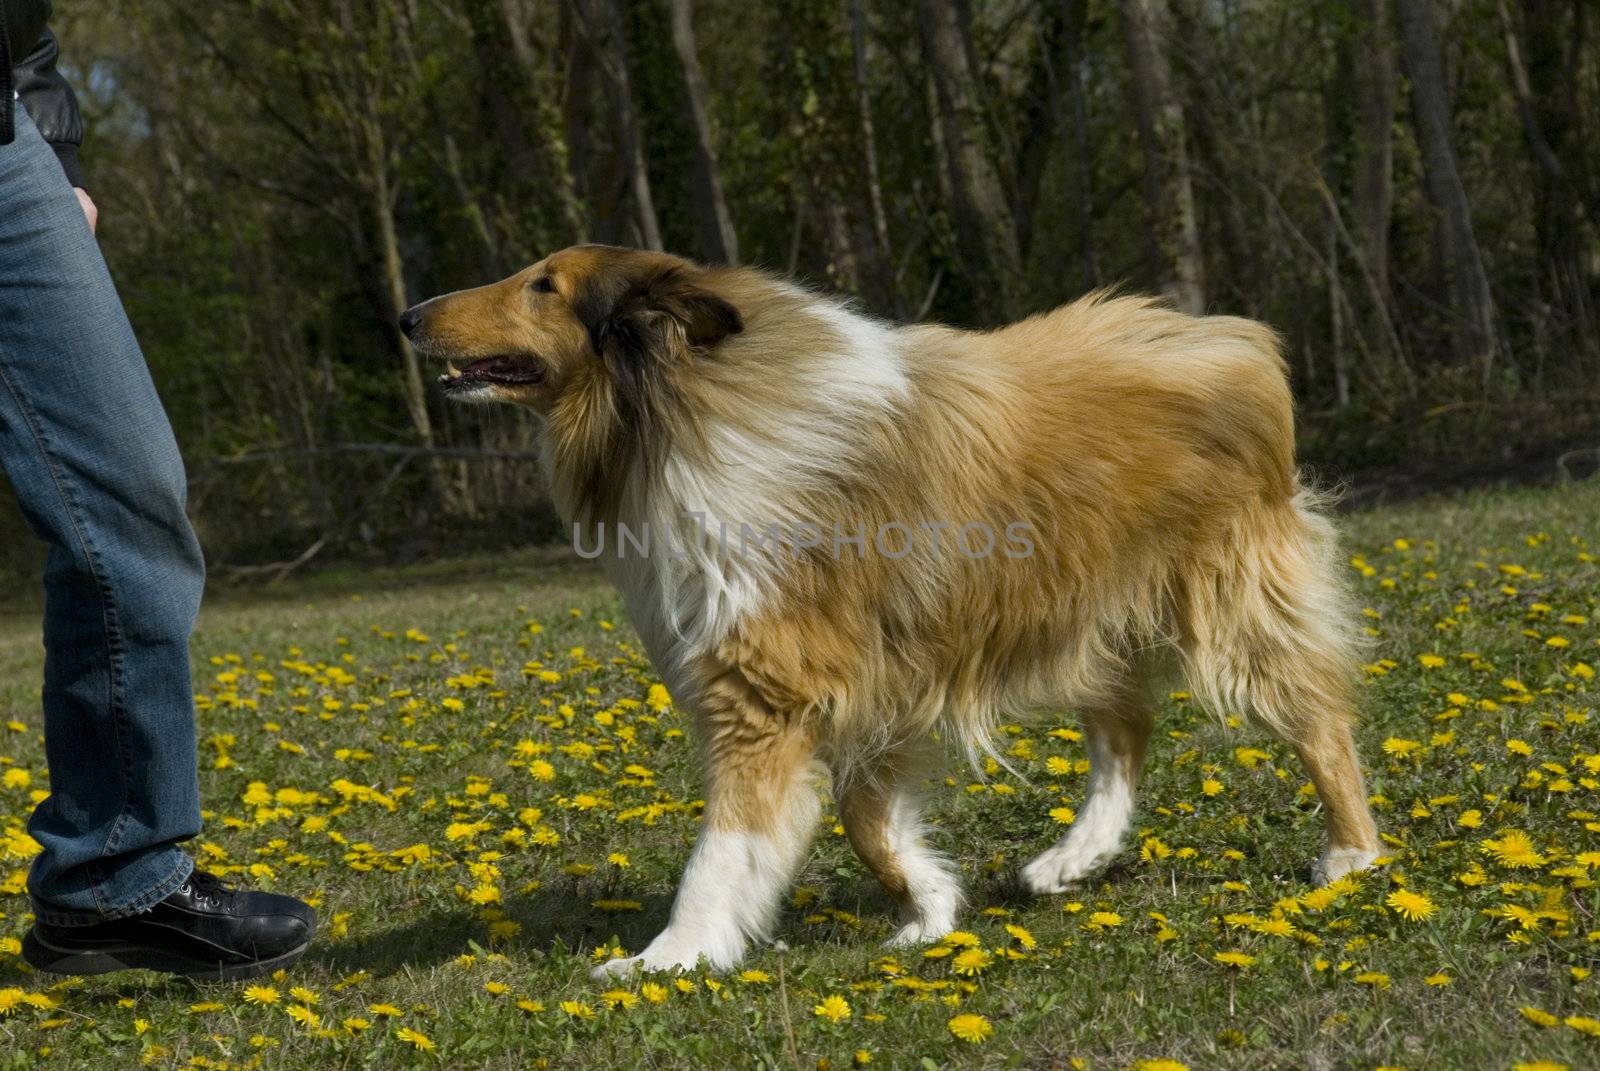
(503, 370)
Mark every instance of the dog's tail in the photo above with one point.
(1267, 627)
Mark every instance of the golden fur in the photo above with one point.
(1147, 454)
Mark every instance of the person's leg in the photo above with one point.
(91, 456)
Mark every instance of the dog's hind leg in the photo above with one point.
(1268, 635)
(1117, 733)
(1329, 755)
(761, 813)
(882, 817)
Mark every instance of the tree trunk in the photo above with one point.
(985, 231)
(1174, 250)
(1372, 71)
(579, 78)
(1476, 336)
(1545, 84)
(1208, 115)
(880, 284)
(544, 124)
(394, 282)
(1076, 75)
(450, 150)
(1542, 61)
(716, 223)
(630, 137)
(1040, 123)
(869, 137)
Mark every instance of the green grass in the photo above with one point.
(423, 688)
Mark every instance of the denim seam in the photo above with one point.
(165, 888)
(113, 633)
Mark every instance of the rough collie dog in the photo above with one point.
(839, 538)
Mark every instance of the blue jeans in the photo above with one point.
(91, 456)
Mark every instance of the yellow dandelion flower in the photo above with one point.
(835, 1009)
(1276, 927)
(260, 994)
(971, 961)
(619, 998)
(1513, 849)
(1584, 1025)
(1240, 960)
(1438, 979)
(971, 1028)
(1412, 906)
(1320, 899)
(577, 1009)
(415, 1038)
(1375, 979)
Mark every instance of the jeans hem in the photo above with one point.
(55, 916)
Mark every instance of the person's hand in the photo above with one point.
(90, 212)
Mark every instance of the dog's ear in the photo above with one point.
(656, 312)
(706, 318)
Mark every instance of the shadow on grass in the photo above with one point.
(553, 921)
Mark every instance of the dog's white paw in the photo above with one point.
(676, 951)
(618, 968)
(645, 963)
(1058, 867)
(1335, 863)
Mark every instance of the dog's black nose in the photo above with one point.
(409, 320)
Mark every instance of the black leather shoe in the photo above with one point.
(207, 929)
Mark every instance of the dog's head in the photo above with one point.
(591, 314)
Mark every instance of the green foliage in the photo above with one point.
(247, 152)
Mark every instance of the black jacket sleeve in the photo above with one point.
(51, 102)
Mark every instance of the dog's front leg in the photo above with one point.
(761, 813)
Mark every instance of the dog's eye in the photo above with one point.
(544, 286)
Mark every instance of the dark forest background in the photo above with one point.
(1407, 189)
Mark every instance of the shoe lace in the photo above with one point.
(208, 888)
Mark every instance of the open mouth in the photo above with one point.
(505, 371)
